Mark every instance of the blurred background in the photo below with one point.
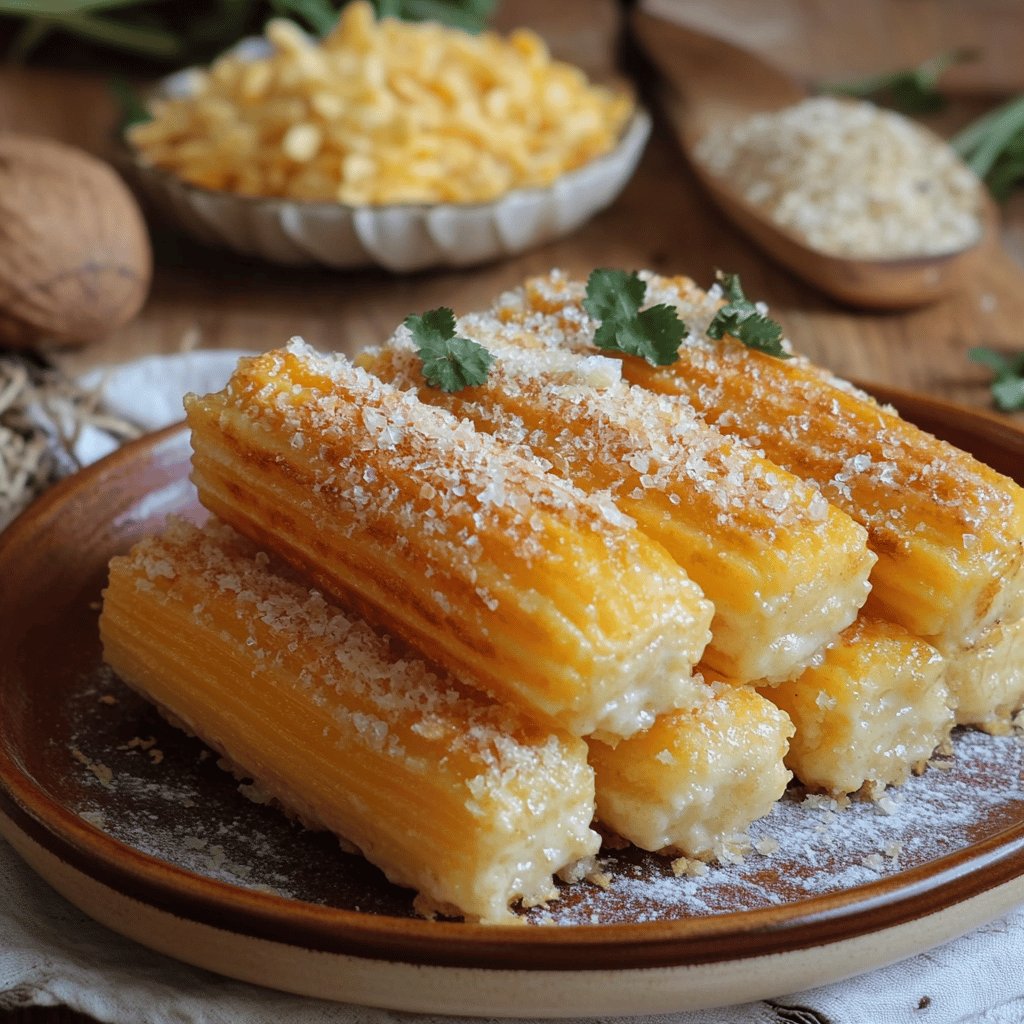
(72, 70)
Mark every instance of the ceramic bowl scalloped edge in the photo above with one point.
(401, 238)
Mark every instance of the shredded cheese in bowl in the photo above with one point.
(851, 179)
(381, 113)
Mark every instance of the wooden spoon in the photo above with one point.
(708, 81)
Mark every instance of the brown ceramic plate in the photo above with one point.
(134, 823)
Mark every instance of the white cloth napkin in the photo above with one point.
(51, 954)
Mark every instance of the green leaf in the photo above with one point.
(764, 335)
(193, 33)
(614, 297)
(740, 319)
(733, 288)
(1008, 381)
(993, 147)
(995, 361)
(1004, 176)
(469, 15)
(450, 363)
(148, 41)
(614, 294)
(912, 90)
(663, 333)
(1008, 393)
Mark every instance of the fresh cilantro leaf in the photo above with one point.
(740, 318)
(450, 363)
(1008, 382)
(732, 287)
(614, 297)
(911, 90)
(614, 294)
(763, 334)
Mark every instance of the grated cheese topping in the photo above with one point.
(372, 440)
(631, 443)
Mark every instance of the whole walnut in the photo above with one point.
(75, 258)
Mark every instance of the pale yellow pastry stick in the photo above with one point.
(498, 571)
(874, 709)
(785, 570)
(472, 804)
(696, 779)
(987, 676)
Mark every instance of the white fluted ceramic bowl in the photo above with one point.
(401, 238)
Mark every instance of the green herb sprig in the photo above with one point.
(740, 318)
(450, 363)
(911, 90)
(993, 147)
(614, 297)
(1008, 381)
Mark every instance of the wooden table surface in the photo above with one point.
(662, 221)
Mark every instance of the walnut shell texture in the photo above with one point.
(75, 258)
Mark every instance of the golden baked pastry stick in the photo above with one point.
(948, 530)
(987, 676)
(784, 569)
(471, 803)
(873, 710)
(506, 576)
(696, 779)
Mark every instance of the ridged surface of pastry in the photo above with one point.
(696, 779)
(873, 710)
(785, 570)
(493, 568)
(948, 531)
(987, 677)
(470, 803)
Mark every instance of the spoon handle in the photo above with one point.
(716, 80)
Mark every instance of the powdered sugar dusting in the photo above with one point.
(182, 810)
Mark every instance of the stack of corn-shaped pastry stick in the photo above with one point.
(548, 599)
(601, 560)
(572, 409)
(510, 578)
(785, 570)
(947, 530)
